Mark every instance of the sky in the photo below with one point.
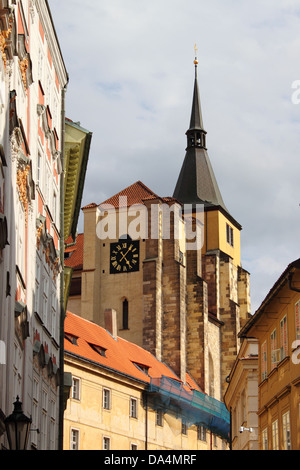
(131, 70)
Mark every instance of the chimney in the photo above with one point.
(110, 321)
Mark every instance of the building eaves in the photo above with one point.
(279, 284)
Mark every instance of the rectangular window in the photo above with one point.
(274, 350)
(75, 388)
(39, 171)
(283, 338)
(183, 428)
(106, 399)
(286, 431)
(74, 444)
(133, 447)
(264, 437)
(106, 443)
(201, 433)
(297, 319)
(133, 408)
(264, 371)
(54, 207)
(275, 436)
(159, 418)
(229, 234)
(37, 293)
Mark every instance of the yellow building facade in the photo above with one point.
(115, 401)
(276, 325)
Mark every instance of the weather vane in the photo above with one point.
(196, 55)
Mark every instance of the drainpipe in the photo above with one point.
(146, 421)
(62, 307)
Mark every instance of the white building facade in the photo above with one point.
(33, 82)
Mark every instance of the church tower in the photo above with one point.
(218, 303)
(184, 303)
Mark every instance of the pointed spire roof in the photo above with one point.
(196, 115)
(197, 183)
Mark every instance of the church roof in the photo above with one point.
(136, 193)
(197, 183)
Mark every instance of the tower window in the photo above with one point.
(125, 314)
(229, 233)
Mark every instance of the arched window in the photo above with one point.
(125, 314)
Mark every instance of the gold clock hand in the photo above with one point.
(123, 256)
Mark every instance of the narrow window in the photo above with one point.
(275, 441)
(201, 433)
(286, 431)
(106, 443)
(297, 319)
(264, 372)
(125, 314)
(283, 338)
(75, 388)
(74, 444)
(133, 408)
(183, 428)
(106, 399)
(159, 418)
(274, 350)
(229, 234)
(265, 439)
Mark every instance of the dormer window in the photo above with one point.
(142, 367)
(98, 349)
(73, 339)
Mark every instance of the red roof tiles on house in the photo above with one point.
(75, 251)
(117, 354)
(137, 193)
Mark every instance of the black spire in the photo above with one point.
(197, 183)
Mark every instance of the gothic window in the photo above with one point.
(125, 312)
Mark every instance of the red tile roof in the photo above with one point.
(120, 355)
(137, 193)
(75, 249)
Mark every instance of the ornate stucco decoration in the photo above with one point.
(22, 175)
(52, 258)
(25, 183)
(4, 36)
(24, 62)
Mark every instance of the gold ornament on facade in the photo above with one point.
(4, 35)
(22, 186)
(23, 67)
(38, 234)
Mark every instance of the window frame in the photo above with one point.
(283, 338)
(76, 396)
(74, 431)
(106, 398)
(133, 408)
(286, 431)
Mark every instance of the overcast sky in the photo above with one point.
(131, 72)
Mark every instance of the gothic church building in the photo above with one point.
(184, 304)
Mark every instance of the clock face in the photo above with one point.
(124, 256)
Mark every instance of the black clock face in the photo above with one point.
(124, 256)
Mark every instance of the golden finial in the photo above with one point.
(196, 55)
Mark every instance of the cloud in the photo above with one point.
(131, 82)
